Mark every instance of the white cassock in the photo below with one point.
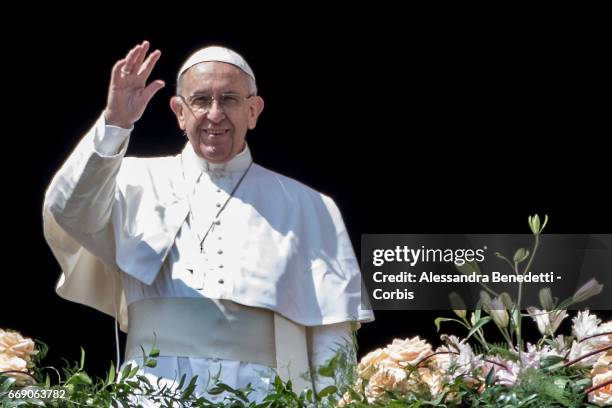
(128, 233)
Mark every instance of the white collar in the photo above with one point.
(194, 165)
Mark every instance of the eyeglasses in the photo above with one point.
(202, 103)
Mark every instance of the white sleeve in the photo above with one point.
(323, 342)
(108, 142)
(81, 195)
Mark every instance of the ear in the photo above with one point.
(255, 110)
(176, 104)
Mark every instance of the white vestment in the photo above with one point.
(277, 244)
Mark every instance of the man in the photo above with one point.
(227, 264)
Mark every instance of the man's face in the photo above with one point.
(217, 134)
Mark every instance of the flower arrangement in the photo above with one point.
(558, 370)
(555, 372)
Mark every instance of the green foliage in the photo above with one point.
(555, 383)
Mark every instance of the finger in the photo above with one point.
(116, 71)
(152, 89)
(129, 60)
(142, 52)
(149, 64)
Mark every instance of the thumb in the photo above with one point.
(152, 89)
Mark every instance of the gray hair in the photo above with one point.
(250, 81)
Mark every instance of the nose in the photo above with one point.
(215, 113)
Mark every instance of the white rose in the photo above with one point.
(11, 363)
(385, 379)
(370, 362)
(601, 374)
(14, 344)
(408, 351)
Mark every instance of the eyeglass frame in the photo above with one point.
(212, 101)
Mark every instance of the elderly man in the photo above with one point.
(228, 265)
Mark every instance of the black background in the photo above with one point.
(411, 122)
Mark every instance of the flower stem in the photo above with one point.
(433, 354)
(598, 386)
(595, 335)
(569, 363)
(519, 339)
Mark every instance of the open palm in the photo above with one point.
(129, 94)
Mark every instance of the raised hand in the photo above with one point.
(128, 93)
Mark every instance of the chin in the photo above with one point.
(220, 156)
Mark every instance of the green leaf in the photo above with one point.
(226, 387)
(326, 391)
(191, 388)
(555, 366)
(182, 381)
(151, 363)
(133, 372)
(527, 399)
(111, 374)
(144, 379)
(125, 372)
(580, 385)
(556, 393)
(548, 361)
(326, 371)
(79, 378)
(215, 390)
(278, 383)
(520, 255)
(354, 395)
(446, 319)
(309, 395)
(133, 383)
(82, 363)
(329, 368)
(490, 377)
(7, 383)
(478, 325)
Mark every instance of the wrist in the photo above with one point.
(113, 121)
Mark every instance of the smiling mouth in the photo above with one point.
(215, 132)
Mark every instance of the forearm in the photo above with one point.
(82, 193)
